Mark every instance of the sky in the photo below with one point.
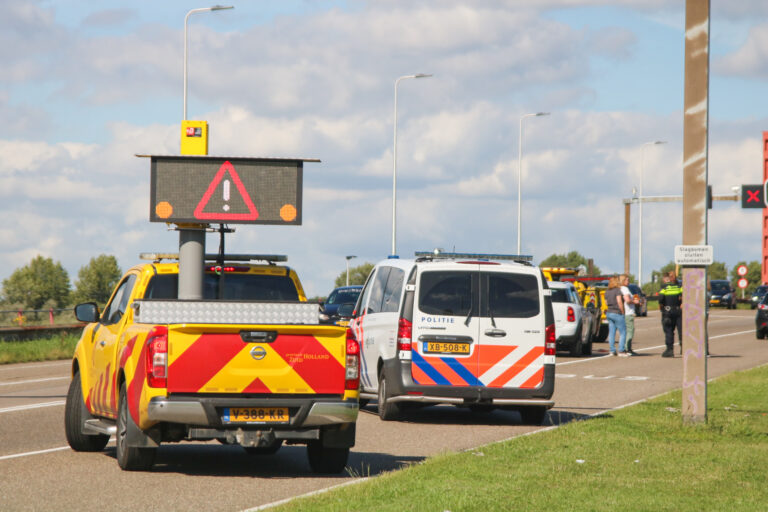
(85, 86)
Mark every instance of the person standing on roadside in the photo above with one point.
(615, 316)
(629, 311)
(671, 307)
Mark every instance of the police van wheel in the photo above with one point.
(324, 459)
(130, 458)
(387, 410)
(533, 415)
(75, 414)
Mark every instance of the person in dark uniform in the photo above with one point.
(670, 305)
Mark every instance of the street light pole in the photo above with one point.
(186, 20)
(640, 212)
(394, 163)
(520, 173)
(349, 258)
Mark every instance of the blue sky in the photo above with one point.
(84, 86)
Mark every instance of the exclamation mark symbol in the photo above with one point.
(226, 195)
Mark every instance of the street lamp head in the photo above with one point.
(421, 75)
(539, 114)
(222, 7)
(350, 257)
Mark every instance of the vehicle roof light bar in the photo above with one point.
(270, 258)
(520, 258)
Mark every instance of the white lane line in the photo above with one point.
(49, 450)
(14, 383)
(577, 361)
(31, 406)
(17, 367)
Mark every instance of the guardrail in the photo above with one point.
(26, 324)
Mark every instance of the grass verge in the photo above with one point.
(46, 349)
(639, 458)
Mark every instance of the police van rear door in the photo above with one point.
(511, 337)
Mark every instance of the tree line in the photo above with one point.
(44, 284)
(573, 259)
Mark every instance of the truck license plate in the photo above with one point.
(442, 347)
(255, 415)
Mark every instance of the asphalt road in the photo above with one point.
(38, 471)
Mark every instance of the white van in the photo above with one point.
(465, 329)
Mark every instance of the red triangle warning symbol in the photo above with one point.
(226, 168)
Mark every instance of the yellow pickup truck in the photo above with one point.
(249, 364)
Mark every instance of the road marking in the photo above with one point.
(31, 406)
(32, 381)
(49, 450)
(592, 377)
(17, 367)
(577, 361)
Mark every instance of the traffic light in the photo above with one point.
(753, 196)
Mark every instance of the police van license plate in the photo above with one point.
(443, 347)
(255, 415)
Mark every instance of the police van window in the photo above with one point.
(445, 293)
(392, 291)
(114, 311)
(512, 295)
(363, 299)
(377, 290)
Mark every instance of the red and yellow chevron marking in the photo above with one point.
(222, 363)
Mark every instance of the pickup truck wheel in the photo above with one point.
(387, 410)
(577, 343)
(270, 449)
(128, 457)
(323, 459)
(75, 414)
(533, 415)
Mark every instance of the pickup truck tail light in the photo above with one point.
(550, 344)
(404, 331)
(157, 357)
(571, 314)
(352, 375)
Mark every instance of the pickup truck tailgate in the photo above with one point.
(259, 359)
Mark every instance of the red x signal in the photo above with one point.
(753, 196)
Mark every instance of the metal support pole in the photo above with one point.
(626, 238)
(191, 261)
(695, 159)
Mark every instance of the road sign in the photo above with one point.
(694, 255)
(753, 196)
(742, 283)
(222, 190)
(742, 270)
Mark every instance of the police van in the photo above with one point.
(471, 330)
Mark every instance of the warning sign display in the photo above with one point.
(206, 190)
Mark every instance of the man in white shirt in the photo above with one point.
(629, 311)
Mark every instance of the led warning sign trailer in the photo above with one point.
(226, 190)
